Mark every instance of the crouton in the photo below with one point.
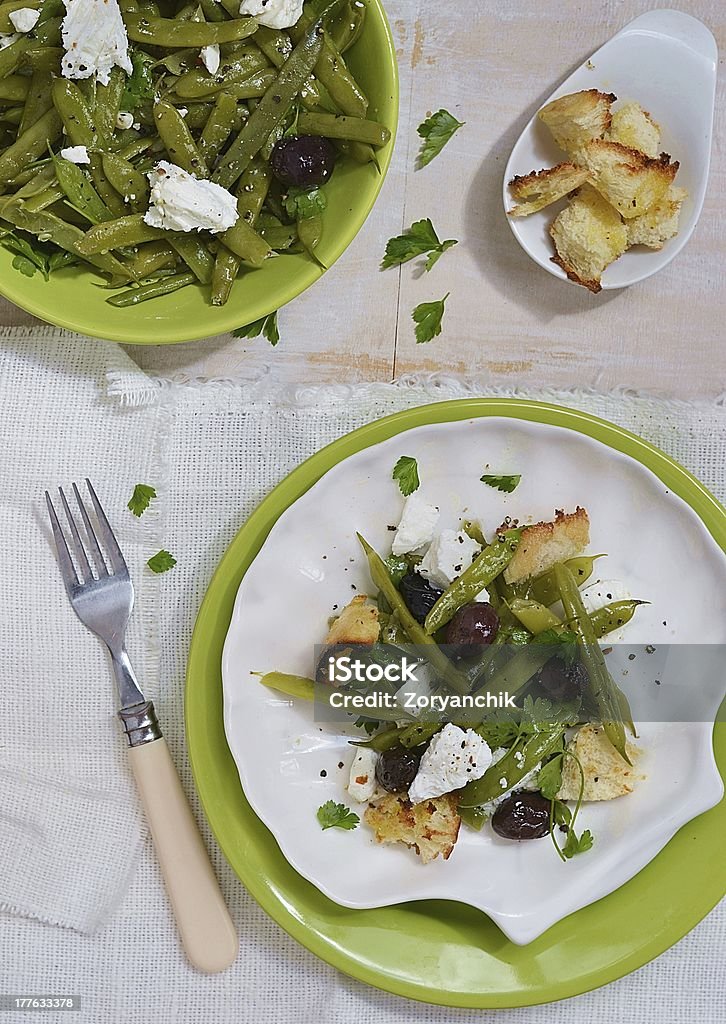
(545, 544)
(356, 624)
(589, 235)
(431, 827)
(634, 127)
(577, 118)
(607, 775)
(629, 180)
(660, 222)
(540, 188)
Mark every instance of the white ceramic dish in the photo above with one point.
(311, 562)
(666, 60)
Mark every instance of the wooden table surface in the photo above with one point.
(492, 64)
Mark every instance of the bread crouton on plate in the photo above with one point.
(545, 544)
(634, 127)
(431, 827)
(540, 188)
(589, 235)
(660, 222)
(629, 180)
(575, 119)
(607, 775)
(357, 624)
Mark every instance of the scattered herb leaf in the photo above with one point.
(420, 238)
(141, 499)
(332, 815)
(502, 483)
(266, 326)
(140, 85)
(162, 561)
(436, 131)
(397, 566)
(301, 204)
(428, 317)
(405, 472)
(577, 844)
(549, 778)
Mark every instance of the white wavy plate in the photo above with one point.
(311, 562)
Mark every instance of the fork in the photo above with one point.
(103, 601)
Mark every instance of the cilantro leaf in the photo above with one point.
(332, 815)
(141, 499)
(369, 724)
(266, 326)
(575, 844)
(549, 778)
(420, 238)
(28, 257)
(397, 567)
(406, 473)
(428, 317)
(502, 483)
(140, 84)
(499, 731)
(436, 131)
(162, 561)
(301, 203)
(24, 265)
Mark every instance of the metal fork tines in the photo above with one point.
(101, 593)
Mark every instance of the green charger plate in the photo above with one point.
(438, 951)
(76, 299)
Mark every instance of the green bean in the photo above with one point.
(603, 689)
(198, 115)
(224, 274)
(195, 254)
(338, 126)
(6, 9)
(218, 128)
(30, 145)
(167, 285)
(104, 187)
(36, 180)
(246, 243)
(252, 190)
(80, 192)
(521, 758)
(199, 83)
(133, 148)
(279, 237)
(129, 183)
(310, 231)
(11, 115)
(534, 616)
(272, 108)
(38, 100)
(332, 72)
(612, 616)
(382, 740)
(175, 134)
(543, 588)
(291, 686)
(485, 567)
(212, 10)
(48, 32)
(42, 58)
(254, 87)
(174, 33)
(42, 200)
(346, 29)
(52, 229)
(419, 733)
(77, 119)
(150, 257)
(108, 103)
(358, 151)
(14, 88)
(118, 234)
(12, 55)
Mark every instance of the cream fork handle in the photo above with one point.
(206, 929)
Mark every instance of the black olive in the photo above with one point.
(560, 680)
(337, 651)
(305, 161)
(522, 815)
(396, 768)
(419, 595)
(472, 624)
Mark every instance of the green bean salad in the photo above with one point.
(162, 142)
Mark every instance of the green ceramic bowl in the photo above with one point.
(75, 299)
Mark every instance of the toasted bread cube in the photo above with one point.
(540, 188)
(588, 235)
(545, 544)
(629, 180)
(634, 127)
(577, 118)
(607, 775)
(357, 624)
(431, 827)
(660, 222)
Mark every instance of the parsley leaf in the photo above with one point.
(549, 778)
(140, 85)
(436, 131)
(162, 561)
(499, 731)
(397, 567)
(428, 317)
(406, 473)
(369, 724)
(141, 499)
(332, 815)
(301, 203)
(575, 844)
(502, 483)
(420, 238)
(266, 326)
(27, 259)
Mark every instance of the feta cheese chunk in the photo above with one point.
(449, 555)
(453, 758)
(417, 525)
(605, 592)
(211, 57)
(124, 119)
(8, 38)
(94, 38)
(181, 202)
(362, 784)
(24, 19)
(273, 13)
(76, 154)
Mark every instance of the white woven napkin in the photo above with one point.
(71, 407)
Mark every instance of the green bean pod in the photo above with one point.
(80, 192)
(310, 231)
(218, 128)
(117, 234)
(171, 32)
(224, 274)
(200, 84)
(521, 758)
(246, 243)
(613, 616)
(332, 72)
(339, 126)
(31, 145)
(543, 588)
(38, 100)
(167, 285)
(11, 56)
(130, 184)
(195, 254)
(346, 29)
(108, 103)
(150, 257)
(41, 58)
(78, 122)
(14, 88)
(175, 134)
